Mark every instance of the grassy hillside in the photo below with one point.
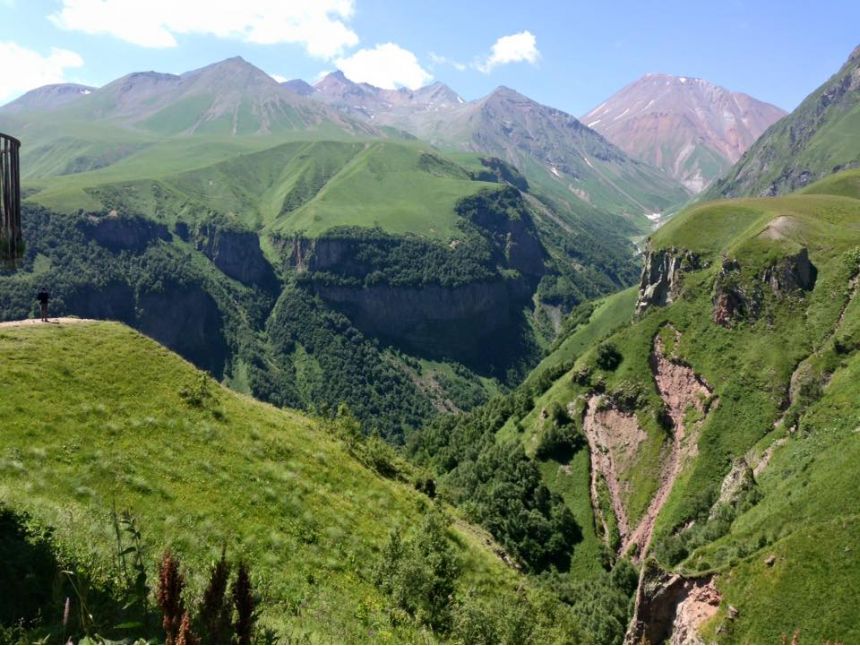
(99, 418)
(781, 407)
(306, 187)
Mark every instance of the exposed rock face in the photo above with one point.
(187, 320)
(790, 274)
(119, 233)
(660, 283)
(114, 301)
(692, 129)
(437, 321)
(731, 301)
(439, 300)
(614, 437)
(237, 253)
(670, 608)
(681, 390)
(736, 299)
(739, 480)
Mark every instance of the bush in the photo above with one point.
(420, 573)
(608, 356)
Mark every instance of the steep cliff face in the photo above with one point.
(660, 283)
(187, 320)
(237, 253)
(462, 300)
(670, 608)
(461, 322)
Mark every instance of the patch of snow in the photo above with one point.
(554, 171)
(683, 79)
(596, 110)
(460, 100)
(626, 110)
(86, 91)
(588, 162)
(653, 216)
(593, 123)
(650, 103)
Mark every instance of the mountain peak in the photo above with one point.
(691, 128)
(299, 86)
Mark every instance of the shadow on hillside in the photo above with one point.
(37, 583)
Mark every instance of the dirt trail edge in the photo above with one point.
(51, 321)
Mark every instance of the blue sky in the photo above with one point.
(571, 55)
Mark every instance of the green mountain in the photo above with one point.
(817, 139)
(584, 174)
(102, 424)
(703, 425)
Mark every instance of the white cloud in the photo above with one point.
(320, 26)
(25, 69)
(387, 66)
(521, 47)
(279, 78)
(436, 59)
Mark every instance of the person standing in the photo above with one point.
(43, 297)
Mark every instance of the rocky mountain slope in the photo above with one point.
(581, 171)
(817, 139)
(48, 97)
(387, 106)
(229, 98)
(692, 129)
(693, 426)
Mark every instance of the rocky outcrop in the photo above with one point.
(738, 482)
(737, 298)
(237, 253)
(791, 274)
(660, 283)
(670, 608)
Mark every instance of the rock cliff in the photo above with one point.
(660, 283)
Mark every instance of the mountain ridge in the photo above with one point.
(815, 140)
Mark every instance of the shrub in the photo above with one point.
(420, 573)
(608, 356)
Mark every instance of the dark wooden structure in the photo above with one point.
(11, 239)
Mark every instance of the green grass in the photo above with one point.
(298, 187)
(610, 313)
(94, 419)
(807, 519)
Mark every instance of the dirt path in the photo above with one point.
(51, 321)
(680, 390)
